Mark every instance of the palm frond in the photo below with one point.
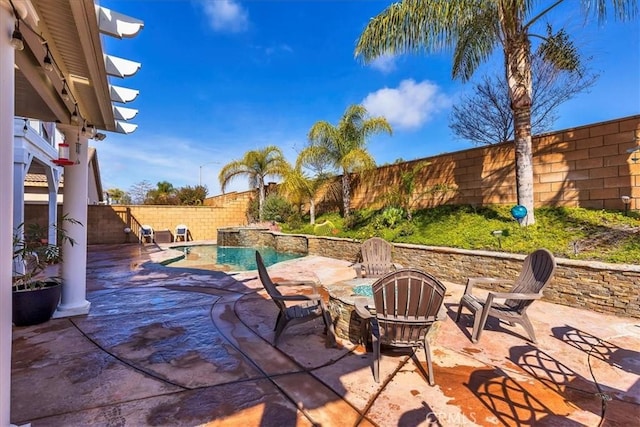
(358, 160)
(414, 26)
(623, 10)
(475, 44)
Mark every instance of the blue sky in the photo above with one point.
(222, 77)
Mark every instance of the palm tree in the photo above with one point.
(345, 145)
(473, 29)
(163, 194)
(301, 188)
(256, 165)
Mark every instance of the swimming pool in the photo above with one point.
(227, 258)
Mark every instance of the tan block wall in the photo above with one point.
(597, 286)
(586, 166)
(238, 199)
(106, 223)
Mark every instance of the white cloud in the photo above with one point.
(271, 50)
(408, 106)
(158, 158)
(226, 15)
(384, 63)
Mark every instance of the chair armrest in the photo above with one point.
(396, 266)
(358, 268)
(509, 295)
(297, 297)
(472, 281)
(361, 308)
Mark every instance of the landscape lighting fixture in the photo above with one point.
(627, 201)
(47, 61)
(16, 38)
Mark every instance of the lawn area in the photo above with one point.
(574, 233)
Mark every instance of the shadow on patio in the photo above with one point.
(169, 346)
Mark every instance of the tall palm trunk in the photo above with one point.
(346, 194)
(524, 167)
(312, 211)
(260, 199)
(518, 68)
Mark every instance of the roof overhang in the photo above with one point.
(71, 30)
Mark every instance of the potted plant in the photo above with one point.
(35, 296)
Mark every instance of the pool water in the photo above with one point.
(228, 258)
(363, 290)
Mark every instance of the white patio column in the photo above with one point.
(20, 167)
(7, 111)
(53, 183)
(74, 205)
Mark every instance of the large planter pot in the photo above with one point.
(31, 307)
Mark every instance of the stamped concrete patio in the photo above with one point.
(185, 347)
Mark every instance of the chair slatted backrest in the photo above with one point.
(376, 257)
(537, 271)
(268, 283)
(407, 302)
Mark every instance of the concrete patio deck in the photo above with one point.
(184, 347)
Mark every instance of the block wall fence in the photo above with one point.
(106, 223)
(586, 166)
(597, 286)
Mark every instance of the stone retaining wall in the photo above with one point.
(597, 286)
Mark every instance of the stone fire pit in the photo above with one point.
(341, 305)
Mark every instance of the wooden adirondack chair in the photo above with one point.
(307, 307)
(376, 258)
(406, 302)
(537, 271)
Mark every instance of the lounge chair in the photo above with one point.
(182, 231)
(407, 302)
(376, 258)
(147, 234)
(537, 272)
(307, 307)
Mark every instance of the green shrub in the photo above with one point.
(252, 210)
(294, 221)
(353, 221)
(392, 216)
(608, 236)
(276, 208)
(324, 228)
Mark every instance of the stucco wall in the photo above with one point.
(601, 287)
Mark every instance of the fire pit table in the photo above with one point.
(342, 296)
